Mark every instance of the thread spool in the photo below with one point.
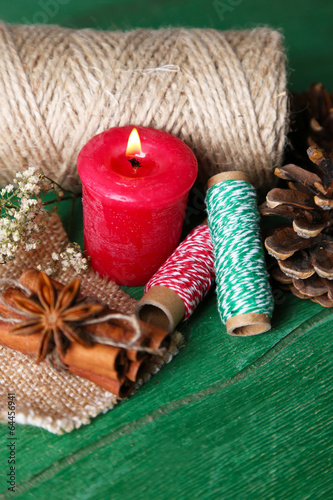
(181, 283)
(245, 300)
(59, 87)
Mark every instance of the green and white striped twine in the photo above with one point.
(242, 284)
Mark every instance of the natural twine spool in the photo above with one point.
(223, 93)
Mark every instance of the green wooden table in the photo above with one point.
(228, 418)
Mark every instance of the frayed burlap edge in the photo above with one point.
(45, 397)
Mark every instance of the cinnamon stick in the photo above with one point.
(137, 369)
(100, 359)
(151, 336)
(120, 388)
(113, 368)
(104, 360)
(27, 344)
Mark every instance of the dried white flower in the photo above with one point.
(23, 216)
(30, 246)
(72, 256)
(16, 236)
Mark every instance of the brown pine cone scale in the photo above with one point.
(303, 249)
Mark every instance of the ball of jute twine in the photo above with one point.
(223, 93)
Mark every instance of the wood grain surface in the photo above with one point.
(229, 418)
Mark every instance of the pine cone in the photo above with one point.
(320, 112)
(311, 122)
(304, 250)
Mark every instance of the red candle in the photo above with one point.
(134, 200)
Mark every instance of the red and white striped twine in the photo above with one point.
(189, 271)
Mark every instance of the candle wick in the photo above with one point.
(135, 163)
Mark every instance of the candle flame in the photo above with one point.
(134, 144)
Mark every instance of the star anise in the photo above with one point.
(55, 315)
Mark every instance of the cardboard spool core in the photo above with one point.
(161, 307)
(244, 325)
(228, 176)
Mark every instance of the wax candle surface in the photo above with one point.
(133, 217)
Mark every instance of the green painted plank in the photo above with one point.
(159, 393)
(270, 436)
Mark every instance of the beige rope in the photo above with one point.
(223, 93)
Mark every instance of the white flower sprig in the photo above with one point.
(23, 219)
(19, 214)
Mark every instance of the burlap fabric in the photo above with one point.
(57, 400)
